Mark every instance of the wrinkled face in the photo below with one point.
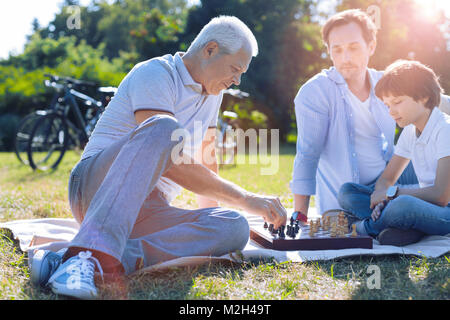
(405, 110)
(220, 71)
(349, 51)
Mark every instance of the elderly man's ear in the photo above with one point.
(210, 50)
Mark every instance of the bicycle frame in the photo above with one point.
(70, 101)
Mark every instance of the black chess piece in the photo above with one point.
(281, 232)
(271, 227)
(290, 231)
(265, 225)
(274, 231)
(297, 227)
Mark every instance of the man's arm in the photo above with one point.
(311, 111)
(200, 180)
(206, 155)
(142, 115)
(195, 177)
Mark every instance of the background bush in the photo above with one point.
(114, 36)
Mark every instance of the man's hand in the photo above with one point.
(270, 208)
(377, 197)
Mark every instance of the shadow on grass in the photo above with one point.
(190, 283)
(393, 277)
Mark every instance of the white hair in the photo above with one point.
(230, 33)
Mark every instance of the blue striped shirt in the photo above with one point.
(326, 156)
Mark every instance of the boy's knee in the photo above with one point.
(399, 209)
(401, 203)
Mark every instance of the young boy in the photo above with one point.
(393, 215)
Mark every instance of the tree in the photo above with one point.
(407, 33)
(289, 52)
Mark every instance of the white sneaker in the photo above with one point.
(75, 277)
(44, 264)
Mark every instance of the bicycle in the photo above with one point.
(228, 123)
(45, 135)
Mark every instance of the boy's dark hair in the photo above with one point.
(410, 78)
(362, 19)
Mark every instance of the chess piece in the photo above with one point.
(333, 232)
(334, 228)
(290, 231)
(281, 232)
(325, 223)
(311, 231)
(296, 227)
(354, 234)
(265, 225)
(312, 225)
(342, 231)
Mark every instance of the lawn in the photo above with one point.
(25, 194)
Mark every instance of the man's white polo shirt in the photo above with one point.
(425, 150)
(162, 83)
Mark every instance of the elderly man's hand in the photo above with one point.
(270, 208)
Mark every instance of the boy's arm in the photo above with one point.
(439, 193)
(390, 175)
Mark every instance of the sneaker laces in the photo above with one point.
(80, 270)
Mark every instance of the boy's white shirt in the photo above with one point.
(425, 151)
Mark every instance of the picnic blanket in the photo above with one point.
(54, 234)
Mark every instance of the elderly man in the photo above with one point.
(345, 133)
(132, 167)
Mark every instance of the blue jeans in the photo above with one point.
(121, 213)
(404, 212)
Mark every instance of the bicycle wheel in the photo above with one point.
(48, 142)
(23, 134)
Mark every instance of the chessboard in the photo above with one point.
(331, 232)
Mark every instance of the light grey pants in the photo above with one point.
(113, 196)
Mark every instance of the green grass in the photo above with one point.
(25, 194)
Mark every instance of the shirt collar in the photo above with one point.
(335, 75)
(184, 73)
(433, 120)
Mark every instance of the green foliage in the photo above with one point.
(115, 35)
(22, 87)
(407, 32)
(249, 118)
(289, 52)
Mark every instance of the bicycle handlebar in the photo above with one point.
(70, 80)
